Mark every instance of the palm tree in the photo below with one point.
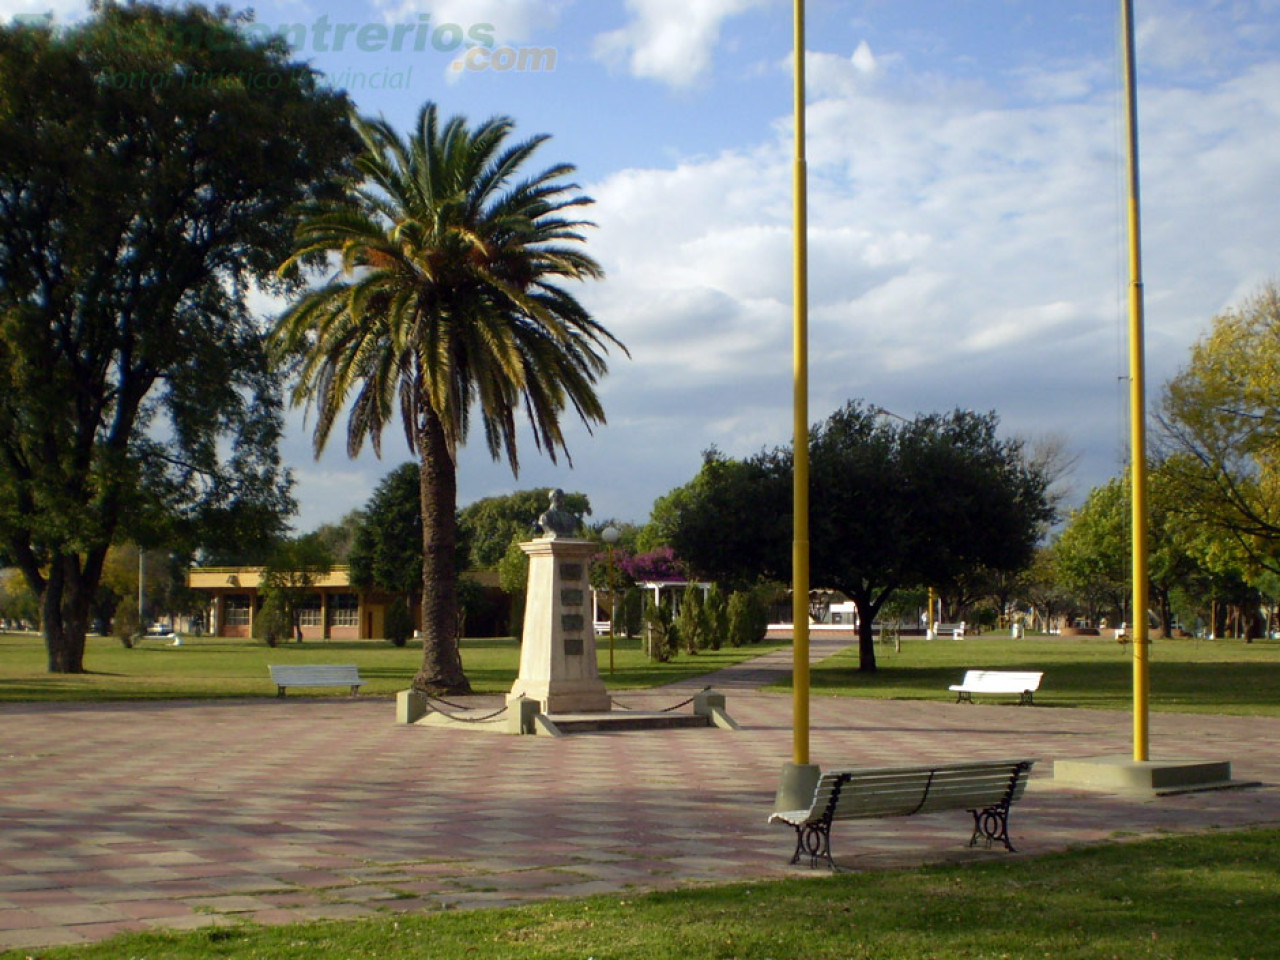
(447, 302)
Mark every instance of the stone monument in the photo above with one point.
(558, 651)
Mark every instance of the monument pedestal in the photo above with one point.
(558, 651)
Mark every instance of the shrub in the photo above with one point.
(692, 621)
(748, 618)
(273, 622)
(398, 625)
(125, 624)
(661, 633)
(716, 615)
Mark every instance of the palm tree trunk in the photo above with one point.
(441, 670)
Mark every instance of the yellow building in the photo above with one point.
(334, 611)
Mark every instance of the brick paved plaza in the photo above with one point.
(119, 817)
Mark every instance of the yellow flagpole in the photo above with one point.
(800, 480)
(1137, 408)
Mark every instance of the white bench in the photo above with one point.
(985, 788)
(1023, 683)
(316, 675)
(956, 630)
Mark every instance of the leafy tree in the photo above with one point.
(513, 577)
(1044, 590)
(119, 582)
(1171, 557)
(920, 502)
(386, 551)
(748, 618)
(449, 303)
(1222, 585)
(145, 187)
(125, 622)
(660, 564)
(17, 602)
(628, 533)
(923, 501)
(691, 621)
(1092, 553)
(661, 632)
(631, 611)
(493, 522)
(339, 538)
(289, 580)
(716, 613)
(905, 605)
(1220, 420)
(398, 625)
(273, 622)
(732, 522)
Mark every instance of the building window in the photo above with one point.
(344, 610)
(235, 610)
(308, 611)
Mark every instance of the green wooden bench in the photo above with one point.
(985, 788)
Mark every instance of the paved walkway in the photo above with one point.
(184, 814)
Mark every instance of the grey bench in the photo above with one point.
(316, 675)
(985, 788)
(1023, 683)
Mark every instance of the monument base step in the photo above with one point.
(617, 721)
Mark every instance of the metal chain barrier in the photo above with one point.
(458, 706)
(677, 706)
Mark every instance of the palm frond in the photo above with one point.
(449, 300)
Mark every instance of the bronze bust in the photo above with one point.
(556, 521)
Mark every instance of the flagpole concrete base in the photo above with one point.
(1121, 774)
(795, 790)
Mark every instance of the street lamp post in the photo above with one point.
(610, 536)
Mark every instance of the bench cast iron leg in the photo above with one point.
(814, 840)
(991, 824)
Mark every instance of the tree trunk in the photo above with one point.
(441, 671)
(64, 612)
(866, 636)
(1166, 612)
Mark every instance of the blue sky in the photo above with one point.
(966, 173)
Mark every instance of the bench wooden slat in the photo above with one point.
(1022, 683)
(984, 788)
(315, 675)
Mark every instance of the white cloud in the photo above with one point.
(508, 21)
(670, 41)
(1188, 38)
(863, 60)
(966, 248)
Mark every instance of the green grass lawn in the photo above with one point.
(1192, 676)
(1208, 897)
(205, 667)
